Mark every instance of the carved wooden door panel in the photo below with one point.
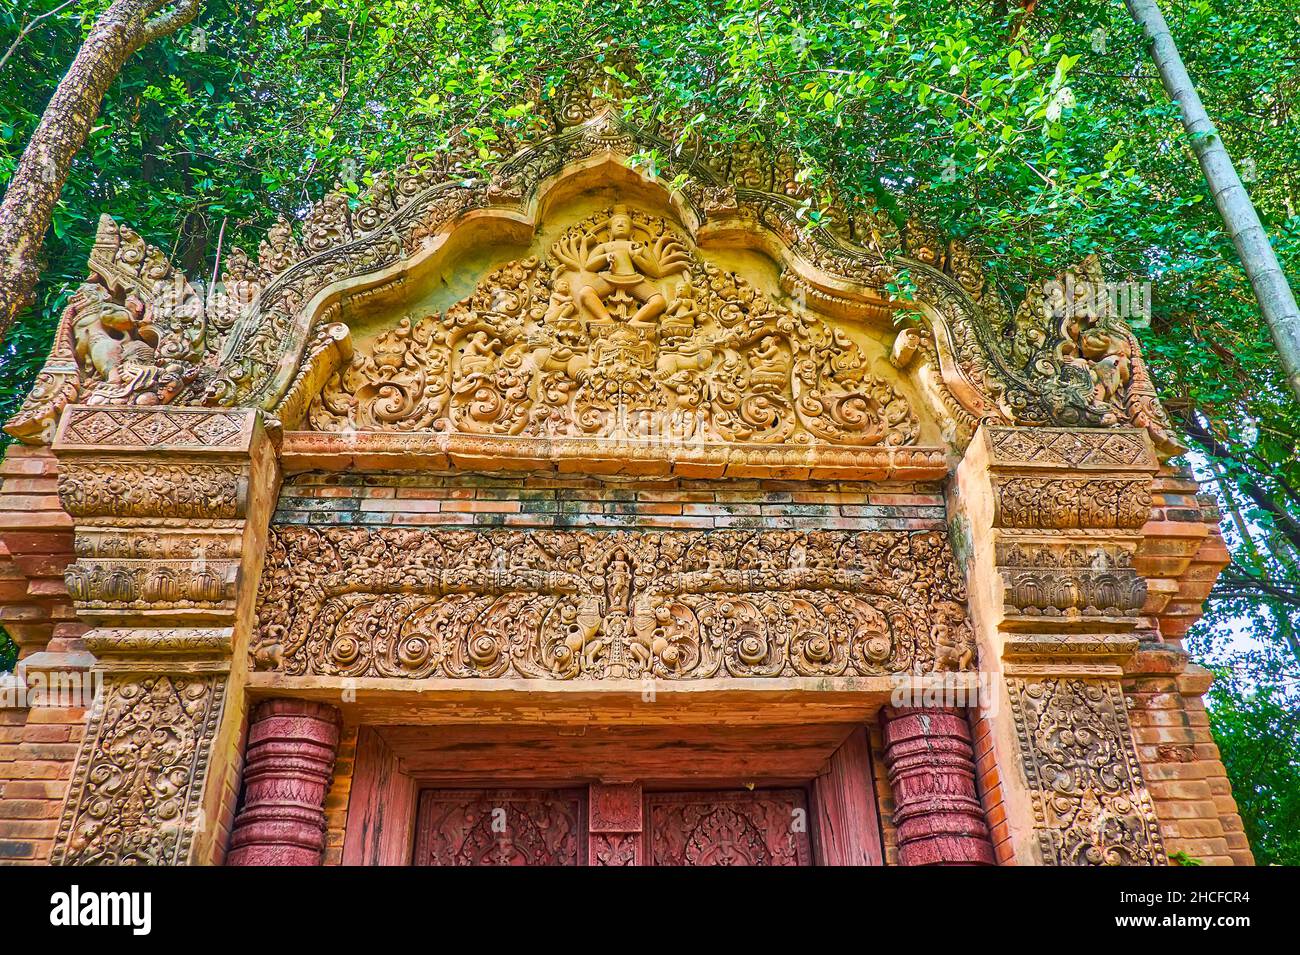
(711, 828)
(473, 827)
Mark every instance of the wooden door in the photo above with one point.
(474, 827)
(765, 827)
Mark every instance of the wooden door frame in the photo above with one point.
(844, 820)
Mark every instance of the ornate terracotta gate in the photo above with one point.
(667, 494)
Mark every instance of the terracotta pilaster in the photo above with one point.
(288, 764)
(171, 507)
(1053, 518)
(932, 773)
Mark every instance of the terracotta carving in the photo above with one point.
(580, 605)
(138, 332)
(623, 331)
(1090, 803)
(140, 774)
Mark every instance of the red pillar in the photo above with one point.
(932, 772)
(290, 758)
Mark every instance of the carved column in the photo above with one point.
(287, 770)
(171, 506)
(932, 772)
(1054, 517)
(616, 824)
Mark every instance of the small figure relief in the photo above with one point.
(769, 366)
(618, 583)
(616, 274)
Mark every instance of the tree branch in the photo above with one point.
(27, 28)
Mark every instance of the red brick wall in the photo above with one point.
(433, 500)
(35, 547)
(38, 745)
(988, 783)
(1181, 555)
(340, 792)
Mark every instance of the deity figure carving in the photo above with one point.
(617, 272)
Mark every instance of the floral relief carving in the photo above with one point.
(566, 605)
(728, 829)
(107, 488)
(138, 780)
(1073, 503)
(1091, 806)
(621, 331)
(500, 828)
(615, 848)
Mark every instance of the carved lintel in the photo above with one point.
(583, 605)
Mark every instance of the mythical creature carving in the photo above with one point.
(132, 334)
(565, 605)
(622, 332)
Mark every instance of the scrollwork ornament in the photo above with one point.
(571, 605)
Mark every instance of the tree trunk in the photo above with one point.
(25, 214)
(1276, 301)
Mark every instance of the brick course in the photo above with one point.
(456, 500)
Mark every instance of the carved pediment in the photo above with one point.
(622, 330)
(269, 335)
